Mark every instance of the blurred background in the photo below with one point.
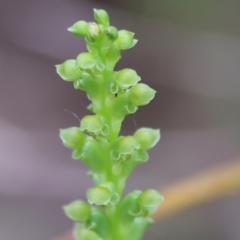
(188, 50)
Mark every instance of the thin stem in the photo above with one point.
(201, 188)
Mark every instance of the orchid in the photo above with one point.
(111, 158)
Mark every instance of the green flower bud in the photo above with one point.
(127, 145)
(112, 33)
(93, 30)
(125, 39)
(147, 137)
(79, 28)
(86, 234)
(78, 211)
(101, 16)
(126, 78)
(149, 199)
(86, 60)
(68, 70)
(141, 94)
(99, 195)
(94, 124)
(72, 137)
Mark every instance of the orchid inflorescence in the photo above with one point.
(96, 142)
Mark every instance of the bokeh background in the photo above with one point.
(188, 50)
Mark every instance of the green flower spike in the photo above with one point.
(97, 142)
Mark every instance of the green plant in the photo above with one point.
(96, 142)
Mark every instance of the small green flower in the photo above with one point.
(112, 33)
(141, 94)
(86, 60)
(125, 39)
(101, 16)
(127, 145)
(99, 195)
(72, 137)
(69, 71)
(147, 137)
(149, 200)
(93, 30)
(78, 211)
(79, 28)
(94, 124)
(126, 78)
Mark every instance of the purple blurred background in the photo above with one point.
(189, 51)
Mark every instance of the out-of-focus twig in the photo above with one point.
(200, 188)
(67, 236)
